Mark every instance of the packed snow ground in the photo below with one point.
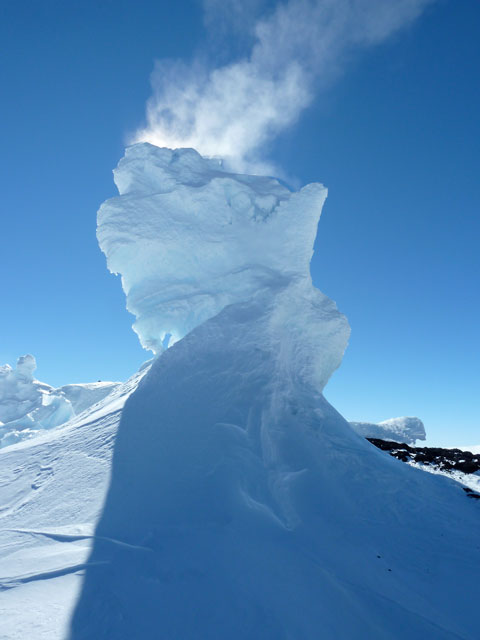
(469, 480)
(238, 503)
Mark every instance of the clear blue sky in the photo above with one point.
(395, 139)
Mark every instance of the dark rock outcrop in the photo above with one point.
(443, 459)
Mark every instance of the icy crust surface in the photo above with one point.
(28, 406)
(405, 429)
(189, 238)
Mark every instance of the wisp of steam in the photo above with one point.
(234, 110)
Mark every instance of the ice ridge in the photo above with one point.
(405, 429)
(28, 406)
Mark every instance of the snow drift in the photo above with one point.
(241, 504)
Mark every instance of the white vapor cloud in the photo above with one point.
(234, 110)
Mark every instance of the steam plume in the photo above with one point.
(234, 110)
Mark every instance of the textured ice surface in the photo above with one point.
(406, 429)
(19, 392)
(28, 406)
(189, 239)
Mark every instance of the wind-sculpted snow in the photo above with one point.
(189, 239)
(27, 406)
(406, 429)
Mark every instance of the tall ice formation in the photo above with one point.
(189, 239)
(241, 504)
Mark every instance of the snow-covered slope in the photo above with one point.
(240, 503)
(407, 429)
(249, 508)
(51, 492)
(27, 406)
